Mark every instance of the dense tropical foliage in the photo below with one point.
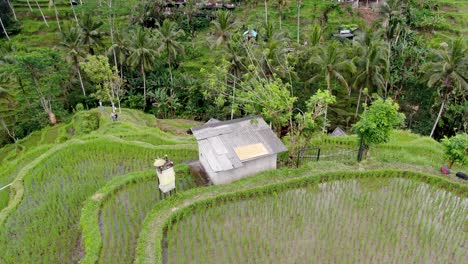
(173, 60)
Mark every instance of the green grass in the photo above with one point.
(401, 221)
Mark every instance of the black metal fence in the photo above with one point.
(318, 153)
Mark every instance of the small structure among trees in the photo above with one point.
(230, 150)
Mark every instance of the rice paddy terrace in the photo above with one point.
(92, 197)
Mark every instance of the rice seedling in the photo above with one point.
(44, 226)
(350, 221)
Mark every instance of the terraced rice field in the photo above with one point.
(351, 221)
(122, 216)
(43, 222)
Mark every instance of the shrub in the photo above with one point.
(84, 123)
(456, 149)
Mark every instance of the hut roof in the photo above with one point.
(338, 132)
(227, 144)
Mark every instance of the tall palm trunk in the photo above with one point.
(170, 68)
(4, 29)
(233, 98)
(79, 75)
(57, 17)
(73, 10)
(12, 9)
(144, 83)
(441, 110)
(298, 19)
(29, 5)
(42, 13)
(358, 103)
(280, 17)
(111, 23)
(266, 12)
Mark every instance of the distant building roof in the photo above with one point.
(227, 144)
(338, 132)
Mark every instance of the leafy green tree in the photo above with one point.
(448, 70)
(70, 41)
(143, 53)
(377, 123)
(270, 98)
(168, 35)
(109, 84)
(456, 149)
(330, 62)
(42, 75)
(318, 106)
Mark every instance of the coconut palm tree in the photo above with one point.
(143, 53)
(372, 62)
(190, 10)
(448, 70)
(223, 24)
(120, 50)
(70, 41)
(168, 34)
(331, 63)
(91, 36)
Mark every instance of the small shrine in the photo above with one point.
(166, 175)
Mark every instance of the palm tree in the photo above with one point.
(373, 65)
(449, 71)
(70, 41)
(142, 53)
(120, 50)
(91, 36)
(331, 63)
(190, 10)
(168, 34)
(223, 24)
